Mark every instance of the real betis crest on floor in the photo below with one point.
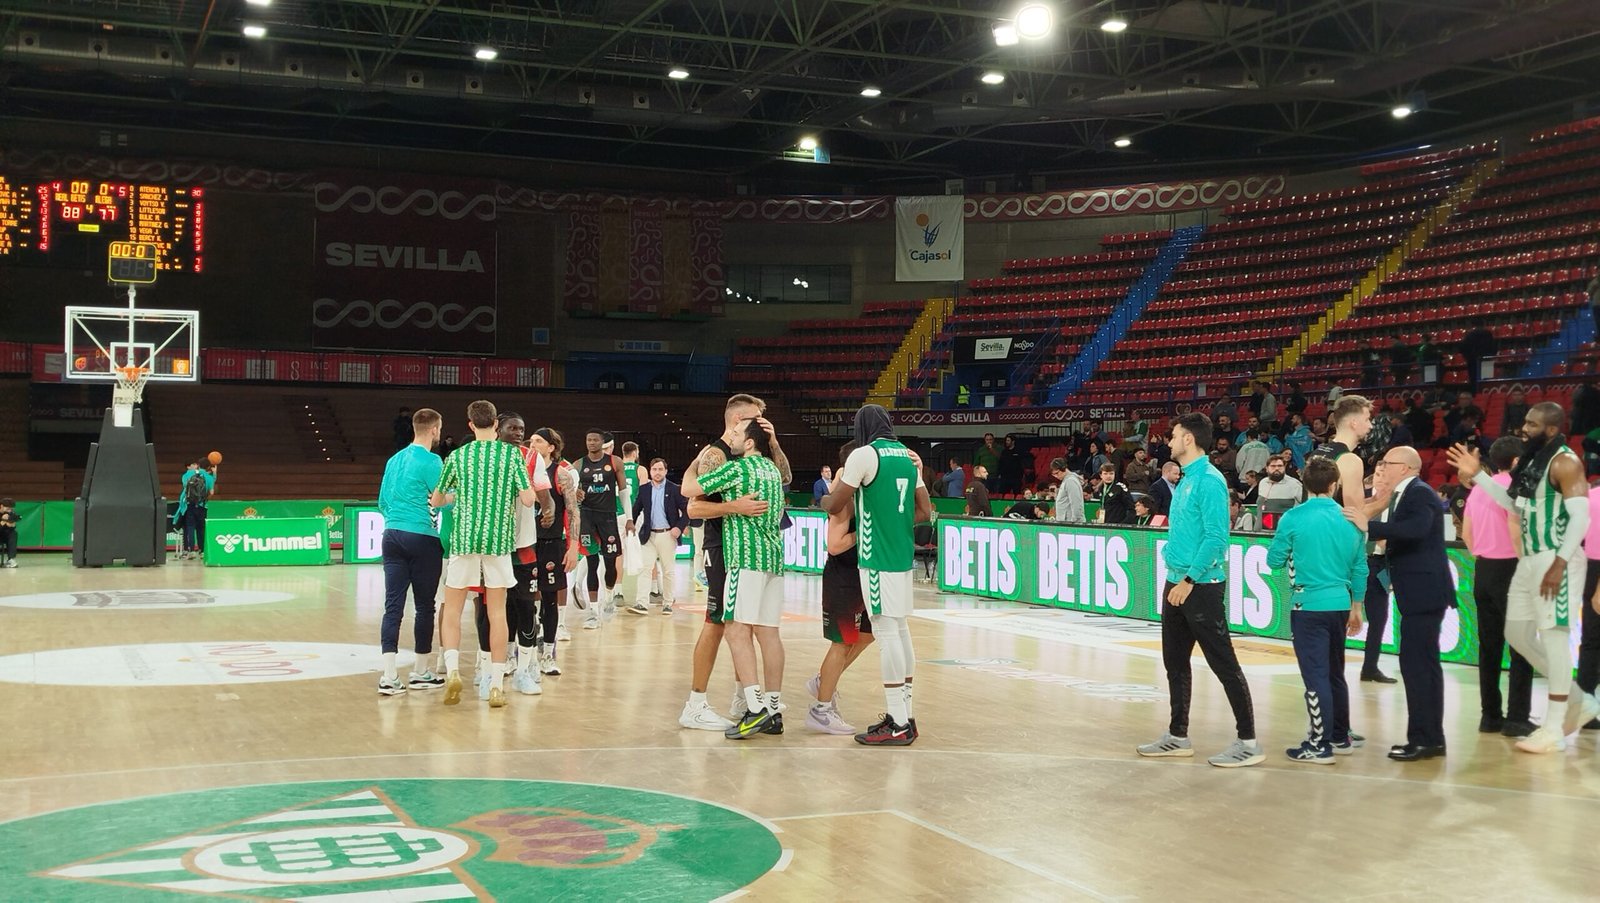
(389, 840)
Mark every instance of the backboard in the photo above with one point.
(100, 341)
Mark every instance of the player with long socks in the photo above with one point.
(884, 480)
(522, 602)
(602, 482)
(557, 549)
(845, 622)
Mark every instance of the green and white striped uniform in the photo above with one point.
(486, 477)
(1544, 528)
(886, 510)
(753, 542)
(633, 475)
(1544, 517)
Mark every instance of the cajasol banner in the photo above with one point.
(929, 239)
(1119, 571)
(250, 542)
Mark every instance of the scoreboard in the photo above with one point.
(72, 222)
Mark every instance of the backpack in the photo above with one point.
(195, 491)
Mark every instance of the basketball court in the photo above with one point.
(213, 730)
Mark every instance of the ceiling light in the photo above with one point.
(1005, 35)
(258, 2)
(677, 72)
(1114, 25)
(1123, 142)
(1034, 21)
(255, 31)
(870, 91)
(1401, 111)
(993, 78)
(486, 53)
(808, 143)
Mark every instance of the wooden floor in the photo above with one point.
(1024, 785)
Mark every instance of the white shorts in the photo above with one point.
(487, 571)
(887, 593)
(753, 597)
(1524, 603)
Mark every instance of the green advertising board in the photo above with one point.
(254, 541)
(1120, 572)
(363, 527)
(805, 542)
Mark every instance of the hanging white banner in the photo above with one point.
(929, 239)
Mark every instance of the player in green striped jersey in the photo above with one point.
(883, 479)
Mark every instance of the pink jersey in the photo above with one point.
(1591, 540)
(1491, 530)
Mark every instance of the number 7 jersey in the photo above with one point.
(886, 481)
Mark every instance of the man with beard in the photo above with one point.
(1549, 502)
(1277, 484)
(1139, 472)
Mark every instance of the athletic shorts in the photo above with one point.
(600, 532)
(549, 555)
(888, 593)
(844, 610)
(753, 597)
(492, 571)
(716, 582)
(1524, 603)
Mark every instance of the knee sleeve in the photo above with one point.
(1558, 652)
(905, 645)
(891, 653)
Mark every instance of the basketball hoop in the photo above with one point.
(129, 391)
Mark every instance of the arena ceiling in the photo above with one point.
(1192, 85)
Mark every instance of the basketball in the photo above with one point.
(215, 457)
(80, 362)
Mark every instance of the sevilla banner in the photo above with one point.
(404, 267)
(929, 238)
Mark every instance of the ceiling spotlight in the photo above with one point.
(258, 2)
(254, 31)
(486, 53)
(808, 143)
(677, 72)
(1114, 25)
(1005, 35)
(993, 78)
(1124, 141)
(870, 91)
(1034, 21)
(1401, 111)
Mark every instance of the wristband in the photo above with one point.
(1187, 579)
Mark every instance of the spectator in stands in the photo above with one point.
(1319, 430)
(1011, 468)
(1098, 433)
(1116, 506)
(1224, 408)
(978, 493)
(1401, 434)
(1335, 392)
(1371, 371)
(1097, 457)
(1263, 402)
(1476, 345)
(987, 455)
(1464, 407)
(446, 446)
(1400, 359)
(1585, 408)
(1419, 421)
(8, 533)
(1428, 356)
(402, 429)
(1240, 519)
(1253, 454)
(1024, 509)
(1139, 472)
(1254, 423)
(1145, 514)
(1299, 443)
(1276, 482)
(1593, 289)
(1161, 490)
(1516, 412)
(1250, 487)
(1069, 492)
(1296, 402)
(1160, 454)
(953, 485)
(820, 487)
(1223, 426)
(1225, 458)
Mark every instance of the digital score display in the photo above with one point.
(72, 222)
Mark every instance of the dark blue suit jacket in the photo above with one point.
(676, 509)
(1418, 569)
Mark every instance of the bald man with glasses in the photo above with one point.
(1407, 517)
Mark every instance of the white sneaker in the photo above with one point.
(666, 608)
(700, 717)
(547, 664)
(826, 718)
(483, 684)
(1167, 747)
(1239, 754)
(388, 686)
(425, 680)
(1545, 739)
(639, 608)
(527, 683)
(592, 622)
(563, 635)
(1582, 708)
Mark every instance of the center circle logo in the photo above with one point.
(143, 599)
(420, 839)
(189, 664)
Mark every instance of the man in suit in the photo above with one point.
(662, 516)
(1161, 490)
(1407, 517)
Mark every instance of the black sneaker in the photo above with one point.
(886, 733)
(750, 724)
(1490, 725)
(775, 726)
(913, 726)
(1593, 725)
(1518, 728)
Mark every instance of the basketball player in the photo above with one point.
(601, 480)
(634, 475)
(697, 713)
(753, 593)
(1351, 420)
(884, 478)
(486, 480)
(557, 549)
(1194, 599)
(412, 556)
(522, 603)
(1549, 503)
(845, 622)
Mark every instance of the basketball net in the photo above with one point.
(129, 391)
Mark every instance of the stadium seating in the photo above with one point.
(824, 363)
